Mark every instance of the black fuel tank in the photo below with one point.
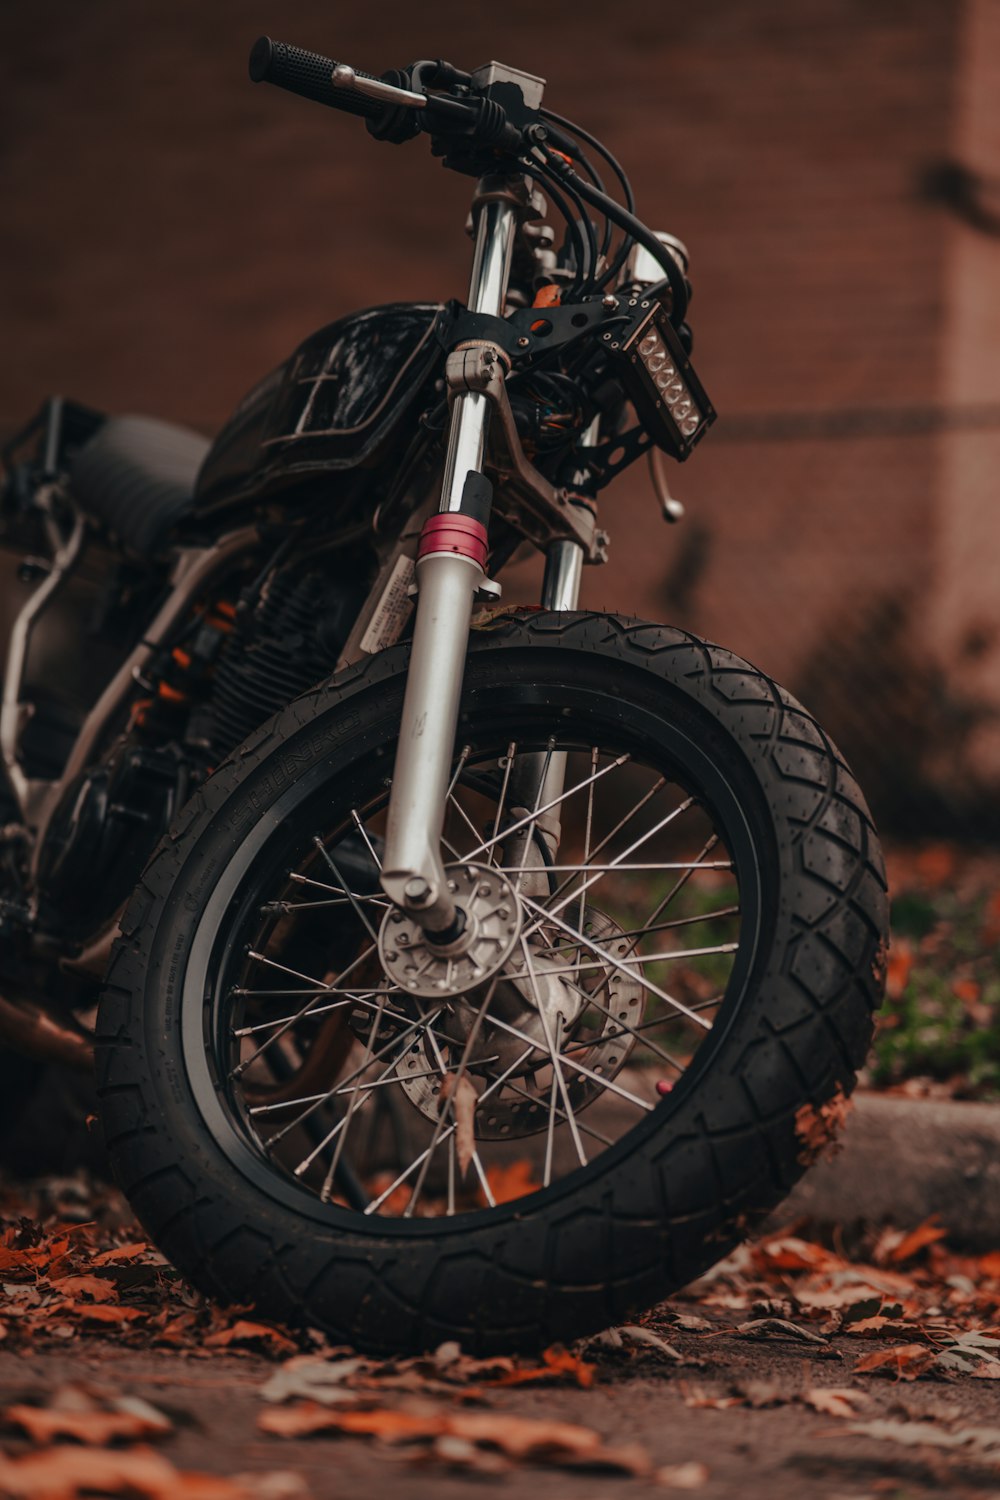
(337, 404)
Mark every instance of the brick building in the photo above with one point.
(170, 232)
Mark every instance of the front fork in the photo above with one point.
(450, 573)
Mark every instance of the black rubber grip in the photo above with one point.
(308, 74)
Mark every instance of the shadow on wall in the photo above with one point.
(897, 718)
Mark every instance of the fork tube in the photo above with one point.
(538, 777)
(450, 568)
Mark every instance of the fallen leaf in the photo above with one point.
(122, 1252)
(96, 1428)
(984, 1442)
(243, 1331)
(513, 1181)
(517, 1437)
(835, 1401)
(138, 1473)
(907, 1361)
(310, 1378)
(787, 1253)
(911, 1244)
(695, 1397)
(898, 970)
(460, 1090)
(101, 1312)
(817, 1128)
(689, 1476)
(97, 1287)
(639, 1337)
(556, 1364)
(778, 1328)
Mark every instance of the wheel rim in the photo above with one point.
(663, 872)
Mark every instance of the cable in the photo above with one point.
(571, 223)
(632, 226)
(563, 124)
(602, 151)
(588, 226)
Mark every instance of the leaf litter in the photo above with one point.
(74, 1267)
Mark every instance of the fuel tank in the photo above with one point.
(345, 401)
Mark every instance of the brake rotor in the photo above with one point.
(522, 1107)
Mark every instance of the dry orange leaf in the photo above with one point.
(243, 1331)
(517, 1437)
(307, 1417)
(907, 1360)
(119, 1253)
(139, 1473)
(556, 1363)
(510, 1182)
(95, 1428)
(787, 1253)
(898, 969)
(96, 1287)
(100, 1312)
(925, 1234)
(817, 1128)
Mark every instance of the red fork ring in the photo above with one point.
(450, 531)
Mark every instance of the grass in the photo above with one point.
(940, 1029)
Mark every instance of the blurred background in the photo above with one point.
(170, 232)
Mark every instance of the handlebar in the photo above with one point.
(470, 127)
(309, 74)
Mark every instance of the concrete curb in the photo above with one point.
(903, 1160)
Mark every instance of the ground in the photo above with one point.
(780, 1451)
(862, 1369)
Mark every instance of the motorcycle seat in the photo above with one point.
(136, 475)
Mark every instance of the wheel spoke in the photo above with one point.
(394, 1042)
(511, 752)
(532, 816)
(460, 1074)
(325, 1190)
(575, 1007)
(449, 1131)
(321, 989)
(588, 827)
(622, 822)
(361, 915)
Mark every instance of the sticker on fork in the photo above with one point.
(392, 610)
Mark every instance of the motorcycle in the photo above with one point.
(465, 972)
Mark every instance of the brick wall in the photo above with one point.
(170, 232)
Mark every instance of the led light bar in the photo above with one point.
(669, 399)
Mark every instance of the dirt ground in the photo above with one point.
(780, 1450)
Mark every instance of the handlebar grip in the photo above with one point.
(308, 74)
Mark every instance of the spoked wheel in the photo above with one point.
(674, 950)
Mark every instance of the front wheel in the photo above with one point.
(311, 1112)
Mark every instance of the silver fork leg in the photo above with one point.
(538, 777)
(450, 569)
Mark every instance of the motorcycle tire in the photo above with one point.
(689, 1161)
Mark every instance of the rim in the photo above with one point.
(356, 1101)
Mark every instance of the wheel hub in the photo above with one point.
(431, 971)
(519, 998)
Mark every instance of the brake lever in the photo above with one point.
(344, 77)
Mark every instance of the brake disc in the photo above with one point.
(602, 1043)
